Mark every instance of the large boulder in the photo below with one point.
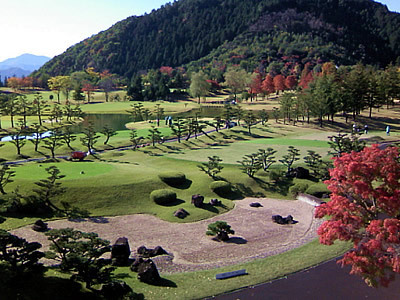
(158, 251)
(197, 200)
(120, 252)
(142, 251)
(115, 290)
(40, 226)
(215, 202)
(283, 220)
(181, 213)
(147, 270)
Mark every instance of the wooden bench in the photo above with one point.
(230, 274)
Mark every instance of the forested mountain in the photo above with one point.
(263, 34)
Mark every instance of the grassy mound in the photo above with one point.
(317, 190)
(163, 196)
(173, 178)
(221, 188)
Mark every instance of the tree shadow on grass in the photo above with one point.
(45, 288)
(174, 203)
(209, 207)
(244, 190)
(183, 186)
(265, 130)
(233, 195)
(165, 283)
(280, 187)
(173, 149)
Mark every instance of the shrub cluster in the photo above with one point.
(220, 187)
(173, 178)
(163, 196)
(299, 187)
(318, 190)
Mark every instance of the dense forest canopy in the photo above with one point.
(257, 34)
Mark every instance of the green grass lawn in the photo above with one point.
(71, 170)
(232, 149)
(202, 284)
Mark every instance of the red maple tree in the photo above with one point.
(291, 82)
(268, 85)
(365, 209)
(89, 89)
(279, 82)
(255, 86)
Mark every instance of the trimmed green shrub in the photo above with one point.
(299, 187)
(163, 196)
(221, 187)
(317, 190)
(275, 175)
(221, 229)
(173, 178)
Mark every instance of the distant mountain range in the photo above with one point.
(22, 65)
(279, 36)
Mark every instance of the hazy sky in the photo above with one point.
(49, 27)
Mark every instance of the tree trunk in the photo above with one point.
(222, 236)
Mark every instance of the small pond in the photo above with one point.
(118, 121)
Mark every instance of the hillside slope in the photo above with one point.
(264, 30)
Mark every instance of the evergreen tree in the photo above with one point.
(289, 158)
(90, 137)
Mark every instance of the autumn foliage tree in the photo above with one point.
(268, 85)
(365, 209)
(291, 82)
(279, 83)
(255, 87)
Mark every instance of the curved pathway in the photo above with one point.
(256, 236)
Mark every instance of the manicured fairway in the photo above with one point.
(231, 153)
(291, 142)
(71, 170)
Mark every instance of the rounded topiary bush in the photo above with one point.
(221, 187)
(163, 196)
(318, 190)
(299, 187)
(275, 175)
(173, 178)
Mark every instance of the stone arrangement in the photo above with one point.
(40, 226)
(120, 252)
(215, 202)
(197, 200)
(146, 269)
(142, 251)
(283, 220)
(181, 213)
(115, 290)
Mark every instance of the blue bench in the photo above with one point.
(230, 274)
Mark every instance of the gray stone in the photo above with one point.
(181, 213)
(40, 226)
(120, 252)
(197, 200)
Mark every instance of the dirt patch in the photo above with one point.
(256, 236)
